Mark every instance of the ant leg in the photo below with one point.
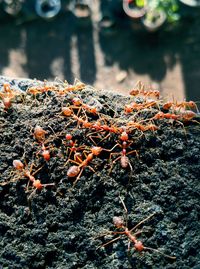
(78, 177)
(125, 209)
(133, 151)
(105, 137)
(48, 184)
(36, 170)
(108, 233)
(91, 168)
(78, 157)
(109, 242)
(160, 252)
(131, 173)
(117, 157)
(111, 154)
(137, 225)
(71, 161)
(110, 150)
(91, 136)
(184, 129)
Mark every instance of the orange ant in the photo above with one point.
(36, 183)
(44, 152)
(65, 87)
(7, 95)
(34, 90)
(39, 133)
(40, 89)
(134, 106)
(132, 237)
(78, 104)
(97, 127)
(189, 104)
(72, 145)
(186, 115)
(124, 160)
(141, 127)
(184, 105)
(75, 170)
(143, 92)
(76, 87)
(162, 115)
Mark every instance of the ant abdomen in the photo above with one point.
(118, 222)
(124, 161)
(73, 171)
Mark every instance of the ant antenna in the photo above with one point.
(137, 225)
(125, 209)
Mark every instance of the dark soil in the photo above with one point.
(57, 227)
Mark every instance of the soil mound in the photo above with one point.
(81, 157)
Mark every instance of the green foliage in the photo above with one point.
(170, 7)
(140, 3)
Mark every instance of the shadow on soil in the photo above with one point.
(48, 49)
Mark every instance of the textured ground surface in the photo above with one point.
(57, 227)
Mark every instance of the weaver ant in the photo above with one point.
(40, 89)
(36, 183)
(71, 145)
(141, 91)
(7, 95)
(97, 127)
(162, 115)
(132, 237)
(179, 105)
(75, 170)
(24, 172)
(186, 115)
(66, 87)
(124, 160)
(44, 152)
(68, 111)
(134, 106)
(39, 133)
(141, 127)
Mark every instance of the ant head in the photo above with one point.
(124, 136)
(118, 222)
(68, 136)
(192, 104)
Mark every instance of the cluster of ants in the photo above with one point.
(98, 127)
(144, 113)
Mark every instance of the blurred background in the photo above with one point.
(110, 44)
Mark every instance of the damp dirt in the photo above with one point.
(62, 226)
